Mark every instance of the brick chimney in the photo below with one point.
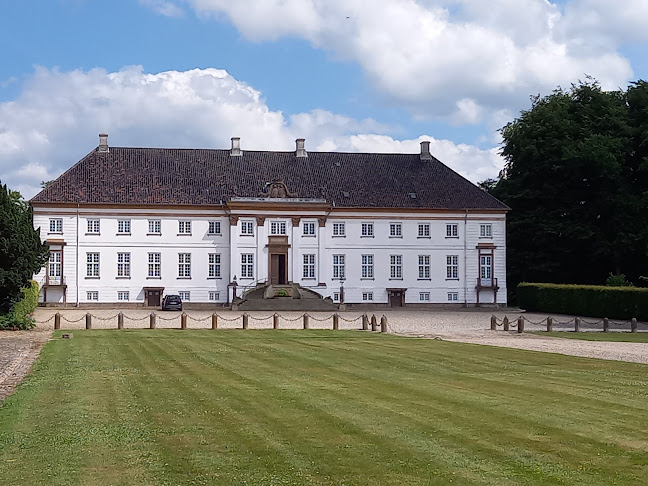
(425, 151)
(103, 143)
(236, 147)
(301, 151)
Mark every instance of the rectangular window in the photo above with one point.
(184, 265)
(452, 230)
(184, 296)
(277, 228)
(395, 230)
(485, 230)
(453, 296)
(367, 296)
(424, 296)
(336, 296)
(55, 267)
(92, 295)
(93, 226)
(247, 265)
(367, 266)
(184, 227)
(56, 225)
(338, 229)
(155, 227)
(214, 228)
(424, 266)
(396, 266)
(486, 269)
(308, 229)
(367, 230)
(309, 266)
(247, 228)
(214, 295)
(424, 230)
(214, 265)
(338, 266)
(92, 260)
(122, 295)
(452, 267)
(123, 264)
(123, 227)
(154, 260)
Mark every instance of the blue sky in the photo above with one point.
(352, 75)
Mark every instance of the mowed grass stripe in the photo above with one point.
(324, 407)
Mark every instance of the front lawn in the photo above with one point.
(629, 337)
(170, 407)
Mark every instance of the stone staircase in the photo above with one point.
(291, 297)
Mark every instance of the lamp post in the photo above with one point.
(342, 290)
(233, 284)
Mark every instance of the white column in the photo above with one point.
(321, 254)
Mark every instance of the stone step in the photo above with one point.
(288, 304)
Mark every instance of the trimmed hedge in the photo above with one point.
(584, 300)
(19, 317)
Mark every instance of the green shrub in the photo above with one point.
(617, 281)
(19, 316)
(584, 300)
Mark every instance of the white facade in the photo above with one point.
(113, 254)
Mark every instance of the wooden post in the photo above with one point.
(493, 323)
(152, 322)
(606, 324)
(549, 324)
(336, 322)
(57, 321)
(275, 321)
(306, 321)
(120, 320)
(183, 321)
(506, 323)
(577, 324)
(374, 323)
(365, 322)
(245, 320)
(633, 325)
(520, 325)
(383, 324)
(214, 321)
(88, 321)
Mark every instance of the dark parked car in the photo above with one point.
(172, 302)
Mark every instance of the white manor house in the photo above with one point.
(129, 225)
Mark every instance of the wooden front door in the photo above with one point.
(153, 298)
(278, 269)
(396, 298)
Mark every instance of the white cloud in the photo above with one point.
(163, 7)
(56, 119)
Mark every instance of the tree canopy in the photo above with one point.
(576, 179)
(22, 254)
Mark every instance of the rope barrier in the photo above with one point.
(198, 320)
(73, 321)
(228, 320)
(295, 319)
(260, 318)
(136, 318)
(44, 322)
(166, 319)
(105, 318)
(321, 320)
(350, 320)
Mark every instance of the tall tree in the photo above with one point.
(22, 254)
(576, 178)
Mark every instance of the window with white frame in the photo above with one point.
(308, 229)
(154, 260)
(247, 265)
(452, 267)
(424, 296)
(92, 295)
(155, 226)
(123, 295)
(338, 266)
(124, 227)
(214, 295)
(336, 296)
(367, 230)
(367, 296)
(424, 230)
(214, 228)
(395, 230)
(184, 265)
(55, 267)
(338, 229)
(453, 296)
(93, 226)
(92, 264)
(123, 264)
(309, 266)
(247, 228)
(424, 266)
(56, 225)
(184, 296)
(486, 230)
(367, 266)
(396, 267)
(452, 230)
(184, 227)
(277, 227)
(486, 267)
(214, 265)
